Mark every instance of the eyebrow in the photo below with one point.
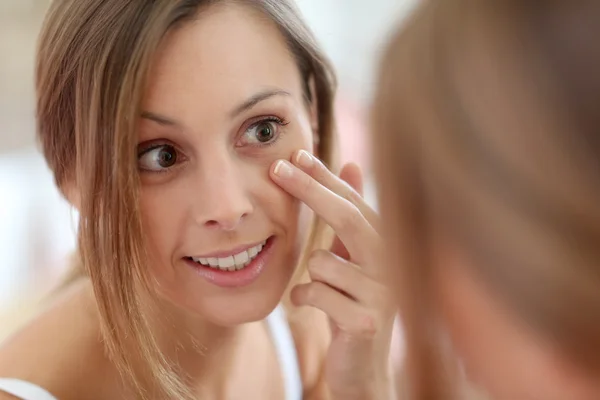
(159, 119)
(257, 98)
(245, 106)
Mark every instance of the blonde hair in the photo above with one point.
(92, 65)
(486, 125)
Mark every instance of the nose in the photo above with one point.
(225, 200)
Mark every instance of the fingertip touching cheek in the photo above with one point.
(224, 101)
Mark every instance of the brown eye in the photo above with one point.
(158, 158)
(166, 157)
(264, 132)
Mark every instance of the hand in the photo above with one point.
(346, 281)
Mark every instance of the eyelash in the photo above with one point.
(143, 150)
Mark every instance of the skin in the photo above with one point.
(217, 188)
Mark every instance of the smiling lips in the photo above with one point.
(233, 262)
(236, 268)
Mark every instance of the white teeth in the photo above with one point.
(232, 263)
(226, 262)
(241, 258)
(200, 260)
(253, 252)
(213, 262)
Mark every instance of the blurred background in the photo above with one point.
(37, 227)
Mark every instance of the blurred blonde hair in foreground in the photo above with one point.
(488, 131)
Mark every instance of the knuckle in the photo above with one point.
(350, 194)
(351, 219)
(367, 326)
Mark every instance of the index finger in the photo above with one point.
(350, 225)
(315, 168)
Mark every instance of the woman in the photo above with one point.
(183, 133)
(486, 128)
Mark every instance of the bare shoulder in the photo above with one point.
(58, 347)
(312, 335)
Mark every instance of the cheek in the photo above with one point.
(278, 207)
(160, 213)
(256, 170)
(288, 215)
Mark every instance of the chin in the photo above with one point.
(253, 307)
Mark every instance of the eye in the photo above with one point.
(263, 132)
(157, 158)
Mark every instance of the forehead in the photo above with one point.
(229, 52)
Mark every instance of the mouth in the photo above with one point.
(233, 262)
(233, 270)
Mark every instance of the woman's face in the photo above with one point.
(225, 100)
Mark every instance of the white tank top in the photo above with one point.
(282, 339)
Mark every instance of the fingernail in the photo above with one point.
(304, 159)
(283, 169)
